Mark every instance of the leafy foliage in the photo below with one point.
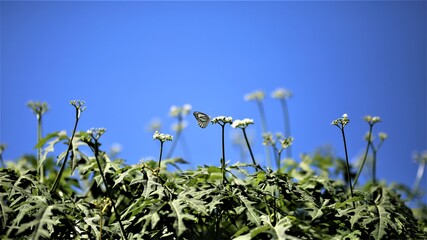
(102, 198)
(299, 201)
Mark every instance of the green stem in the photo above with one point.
(161, 151)
(39, 136)
(420, 174)
(174, 142)
(374, 164)
(1, 159)
(108, 190)
(250, 150)
(70, 144)
(264, 129)
(348, 168)
(287, 125)
(223, 154)
(365, 156)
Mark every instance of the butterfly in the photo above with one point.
(202, 119)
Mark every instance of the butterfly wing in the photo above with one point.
(202, 119)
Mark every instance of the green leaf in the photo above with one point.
(179, 215)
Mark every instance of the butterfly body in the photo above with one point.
(202, 119)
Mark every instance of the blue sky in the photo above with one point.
(131, 61)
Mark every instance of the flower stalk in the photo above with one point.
(222, 121)
(162, 138)
(258, 96)
(371, 121)
(282, 95)
(341, 123)
(2, 148)
(39, 109)
(242, 124)
(78, 105)
(180, 113)
(94, 135)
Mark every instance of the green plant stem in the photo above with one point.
(287, 125)
(1, 160)
(279, 155)
(420, 174)
(174, 142)
(264, 129)
(348, 166)
(39, 136)
(374, 163)
(223, 154)
(250, 150)
(364, 157)
(161, 151)
(70, 144)
(96, 149)
(374, 166)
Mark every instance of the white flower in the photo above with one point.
(222, 119)
(162, 137)
(174, 111)
(178, 127)
(281, 93)
(186, 109)
(242, 123)
(257, 95)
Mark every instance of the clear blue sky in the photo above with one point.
(130, 61)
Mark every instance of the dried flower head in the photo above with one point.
(38, 108)
(286, 142)
(268, 139)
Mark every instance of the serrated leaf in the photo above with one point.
(179, 215)
(383, 220)
(251, 212)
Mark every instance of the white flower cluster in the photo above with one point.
(176, 111)
(342, 121)
(162, 136)
(222, 119)
(257, 95)
(372, 120)
(242, 123)
(96, 133)
(281, 93)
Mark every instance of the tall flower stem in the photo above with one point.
(2, 148)
(162, 138)
(161, 151)
(79, 109)
(420, 173)
(96, 150)
(374, 166)
(287, 125)
(39, 151)
(264, 128)
(347, 165)
(223, 154)
(250, 150)
(364, 156)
